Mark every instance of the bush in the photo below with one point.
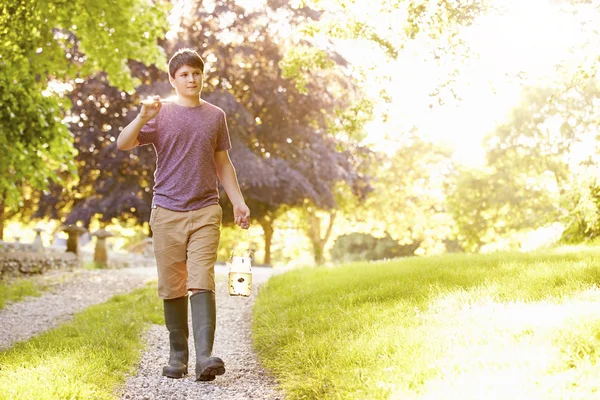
(365, 247)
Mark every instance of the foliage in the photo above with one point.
(363, 247)
(543, 132)
(535, 162)
(387, 25)
(582, 201)
(274, 169)
(408, 198)
(486, 204)
(299, 61)
(585, 56)
(390, 26)
(110, 184)
(42, 42)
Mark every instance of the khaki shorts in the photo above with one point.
(185, 246)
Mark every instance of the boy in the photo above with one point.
(191, 140)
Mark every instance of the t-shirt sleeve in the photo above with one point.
(223, 139)
(148, 132)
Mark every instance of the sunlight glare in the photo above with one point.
(525, 42)
(483, 348)
(521, 46)
(179, 10)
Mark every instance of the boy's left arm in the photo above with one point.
(228, 178)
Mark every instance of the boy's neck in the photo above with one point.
(189, 101)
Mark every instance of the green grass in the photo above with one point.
(499, 326)
(87, 358)
(18, 289)
(92, 265)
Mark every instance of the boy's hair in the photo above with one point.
(183, 57)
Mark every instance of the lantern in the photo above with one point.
(240, 276)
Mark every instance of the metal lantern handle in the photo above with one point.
(250, 252)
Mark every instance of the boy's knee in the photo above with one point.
(196, 291)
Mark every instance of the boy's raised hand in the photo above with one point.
(150, 108)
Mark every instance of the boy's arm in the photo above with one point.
(128, 138)
(228, 178)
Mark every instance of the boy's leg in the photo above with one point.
(202, 248)
(170, 242)
(169, 239)
(176, 320)
(202, 255)
(204, 323)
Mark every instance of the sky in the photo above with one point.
(528, 39)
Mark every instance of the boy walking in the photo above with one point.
(191, 140)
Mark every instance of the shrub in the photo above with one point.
(365, 247)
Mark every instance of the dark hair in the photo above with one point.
(185, 57)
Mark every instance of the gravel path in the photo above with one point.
(244, 377)
(71, 292)
(74, 292)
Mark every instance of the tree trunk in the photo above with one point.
(317, 241)
(267, 225)
(2, 218)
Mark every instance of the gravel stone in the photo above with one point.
(244, 377)
(75, 291)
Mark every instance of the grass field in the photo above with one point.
(498, 326)
(87, 358)
(18, 289)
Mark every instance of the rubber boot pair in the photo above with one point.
(204, 315)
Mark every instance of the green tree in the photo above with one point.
(535, 164)
(286, 147)
(408, 199)
(582, 201)
(44, 42)
(386, 25)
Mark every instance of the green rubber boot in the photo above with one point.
(176, 320)
(204, 317)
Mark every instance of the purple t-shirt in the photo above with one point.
(185, 140)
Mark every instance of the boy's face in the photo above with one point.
(188, 81)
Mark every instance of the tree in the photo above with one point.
(582, 202)
(387, 25)
(322, 119)
(317, 226)
(111, 183)
(408, 198)
(42, 42)
(534, 163)
(278, 170)
(282, 148)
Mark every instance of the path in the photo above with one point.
(76, 291)
(244, 377)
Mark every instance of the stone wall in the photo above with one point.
(19, 260)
